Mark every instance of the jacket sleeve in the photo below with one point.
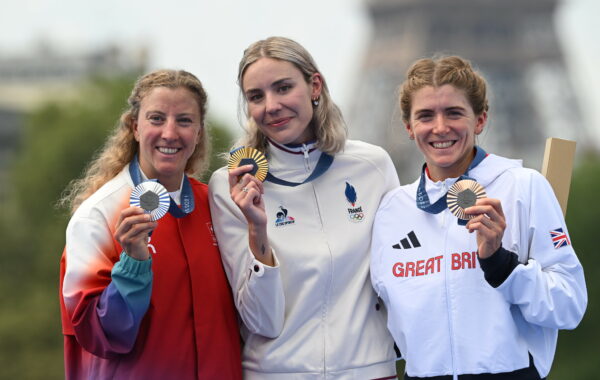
(257, 288)
(549, 286)
(105, 301)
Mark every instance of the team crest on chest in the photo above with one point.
(355, 210)
(282, 218)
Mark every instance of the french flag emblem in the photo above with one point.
(559, 238)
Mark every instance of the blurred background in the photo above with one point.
(66, 69)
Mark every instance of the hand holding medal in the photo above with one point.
(250, 156)
(245, 182)
(485, 216)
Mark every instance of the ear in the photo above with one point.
(411, 133)
(481, 121)
(134, 127)
(317, 85)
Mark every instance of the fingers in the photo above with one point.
(487, 206)
(132, 230)
(244, 183)
(235, 174)
(489, 222)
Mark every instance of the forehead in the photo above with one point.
(178, 99)
(444, 96)
(264, 71)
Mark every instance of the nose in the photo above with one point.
(440, 126)
(169, 130)
(272, 104)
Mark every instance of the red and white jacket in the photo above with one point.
(171, 317)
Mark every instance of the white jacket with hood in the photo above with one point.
(444, 316)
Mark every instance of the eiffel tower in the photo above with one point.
(511, 42)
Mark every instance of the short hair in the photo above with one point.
(438, 71)
(328, 123)
(120, 147)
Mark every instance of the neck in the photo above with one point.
(456, 170)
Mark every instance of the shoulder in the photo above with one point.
(401, 196)
(360, 151)
(218, 179)
(113, 194)
(363, 149)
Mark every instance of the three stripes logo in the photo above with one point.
(406, 242)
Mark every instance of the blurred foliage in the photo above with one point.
(58, 141)
(577, 351)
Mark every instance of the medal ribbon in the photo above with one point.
(187, 196)
(325, 161)
(441, 204)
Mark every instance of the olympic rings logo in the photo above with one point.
(357, 217)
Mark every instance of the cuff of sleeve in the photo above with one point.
(259, 269)
(127, 264)
(498, 266)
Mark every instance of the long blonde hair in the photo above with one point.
(120, 147)
(327, 122)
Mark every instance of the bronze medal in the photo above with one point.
(463, 194)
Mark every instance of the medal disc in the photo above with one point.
(152, 197)
(463, 194)
(250, 156)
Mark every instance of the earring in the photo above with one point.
(315, 102)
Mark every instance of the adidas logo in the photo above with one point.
(404, 243)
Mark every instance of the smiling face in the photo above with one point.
(279, 100)
(444, 127)
(167, 129)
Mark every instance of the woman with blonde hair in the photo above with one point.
(296, 247)
(473, 259)
(141, 306)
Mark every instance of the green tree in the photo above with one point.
(58, 140)
(577, 351)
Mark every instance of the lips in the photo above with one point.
(279, 122)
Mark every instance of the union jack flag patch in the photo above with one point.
(559, 238)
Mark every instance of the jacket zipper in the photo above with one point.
(305, 150)
(448, 301)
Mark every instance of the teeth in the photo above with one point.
(168, 150)
(443, 144)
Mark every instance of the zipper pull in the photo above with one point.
(305, 152)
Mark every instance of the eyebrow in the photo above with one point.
(148, 113)
(460, 108)
(274, 84)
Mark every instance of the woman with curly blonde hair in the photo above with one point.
(141, 306)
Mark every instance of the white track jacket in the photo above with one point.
(444, 316)
(315, 314)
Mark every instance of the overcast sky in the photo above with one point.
(208, 37)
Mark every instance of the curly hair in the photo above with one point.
(120, 146)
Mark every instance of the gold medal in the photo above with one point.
(463, 194)
(250, 156)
